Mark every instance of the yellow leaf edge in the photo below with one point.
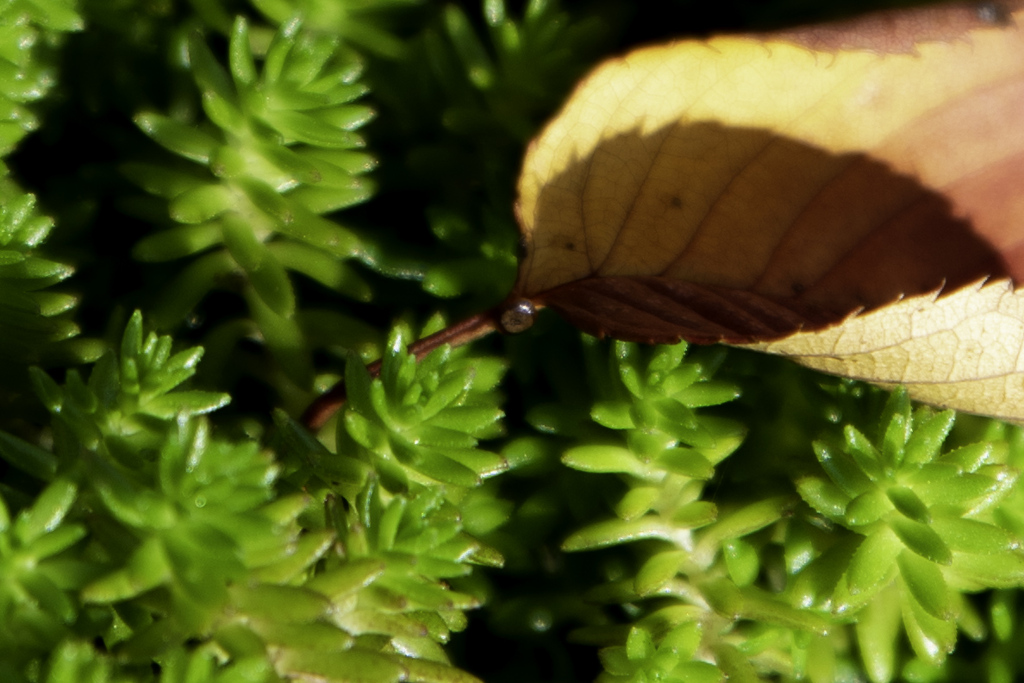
(962, 350)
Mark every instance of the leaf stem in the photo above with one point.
(472, 328)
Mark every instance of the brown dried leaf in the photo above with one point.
(818, 193)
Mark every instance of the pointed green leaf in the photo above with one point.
(926, 584)
(598, 458)
(742, 561)
(922, 540)
(977, 572)
(47, 390)
(187, 141)
(638, 501)
(612, 414)
(614, 532)
(209, 74)
(973, 536)
(27, 457)
(867, 508)
(56, 541)
(702, 394)
(201, 203)
(931, 638)
(147, 568)
(841, 469)
(347, 579)
(688, 462)
(658, 570)
(326, 269)
(824, 496)
(267, 275)
(863, 451)
(243, 67)
(759, 605)
(970, 458)
(906, 501)
(873, 562)
(695, 515)
(478, 65)
(878, 628)
(745, 520)
(47, 512)
(184, 403)
(927, 438)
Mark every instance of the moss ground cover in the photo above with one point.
(213, 210)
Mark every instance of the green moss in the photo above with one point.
(284, 191)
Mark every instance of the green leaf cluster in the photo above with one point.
(149, 533)
(420, 424)
(881, 539)
(463, 103)
(277, 150)
(302, 186)
(924, 529)
(403, 494)
(133, 538)
(696, 565)
(34, 323)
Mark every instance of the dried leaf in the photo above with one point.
(964, 350)
(837, 193)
